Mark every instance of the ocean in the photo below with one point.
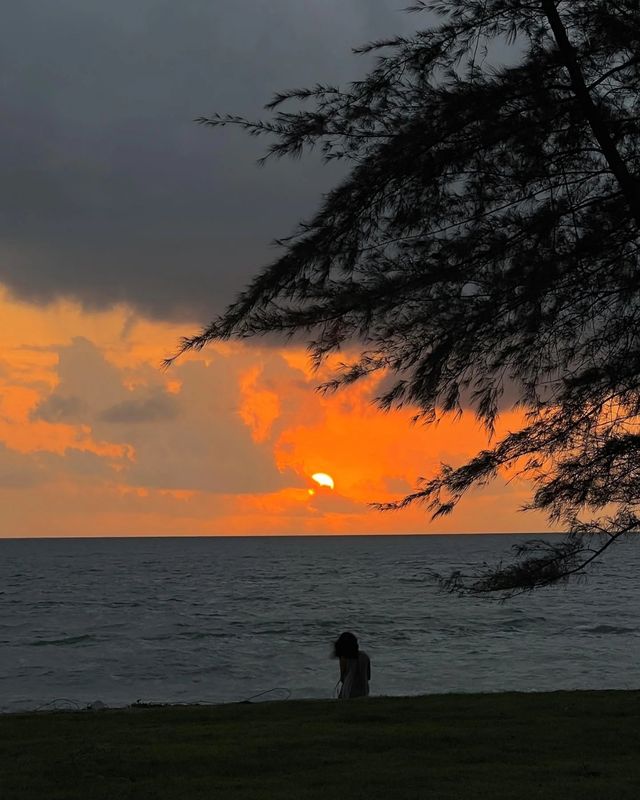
(211, 620)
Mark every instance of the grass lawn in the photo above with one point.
(564, 745)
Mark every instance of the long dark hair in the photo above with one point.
(345, 646)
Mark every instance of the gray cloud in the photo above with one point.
(173, 444)
(82, 465)
(59, 408)
(18, 471)
(29, 470)
(156, 407)
(110, 191)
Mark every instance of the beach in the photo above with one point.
(570, 745)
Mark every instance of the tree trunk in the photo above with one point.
(629, 185)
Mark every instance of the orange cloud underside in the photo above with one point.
(95, 439)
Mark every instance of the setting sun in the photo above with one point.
(322, 479)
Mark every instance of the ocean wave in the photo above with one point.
(191, 635)
(515, 623)
(197, 635)
(614, 629)
(248, 632)
(67, 641)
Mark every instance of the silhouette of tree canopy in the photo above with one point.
(485, 236)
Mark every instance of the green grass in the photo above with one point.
(582, 745)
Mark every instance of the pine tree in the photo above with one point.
(486, 236)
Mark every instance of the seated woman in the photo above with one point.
(355, 667)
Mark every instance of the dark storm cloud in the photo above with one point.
(111, 192)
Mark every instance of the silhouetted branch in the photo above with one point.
(486, 239)
(545, 562)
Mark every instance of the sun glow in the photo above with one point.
(322, 479)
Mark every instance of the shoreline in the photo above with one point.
(98, 707)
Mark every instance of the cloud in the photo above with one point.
(110, 192)
(95, 439)
(193, 438)
(157, 407)
(83, 467)
(39, 468)
(18, 471)
(57, 408)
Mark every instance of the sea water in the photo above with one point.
(224, 619)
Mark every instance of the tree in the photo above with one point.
(486, 236)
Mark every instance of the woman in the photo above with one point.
(355, 667)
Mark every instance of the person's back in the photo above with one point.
(355, 667)
(356, 681)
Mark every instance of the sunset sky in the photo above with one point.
(125, 226)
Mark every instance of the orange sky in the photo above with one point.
(95, 440)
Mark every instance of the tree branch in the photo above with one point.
(628, 184)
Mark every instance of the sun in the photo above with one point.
(322, 479)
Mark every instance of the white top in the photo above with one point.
(356, 681)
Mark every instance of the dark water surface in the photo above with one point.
(220, 619)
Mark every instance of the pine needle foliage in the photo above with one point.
(486, 236)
